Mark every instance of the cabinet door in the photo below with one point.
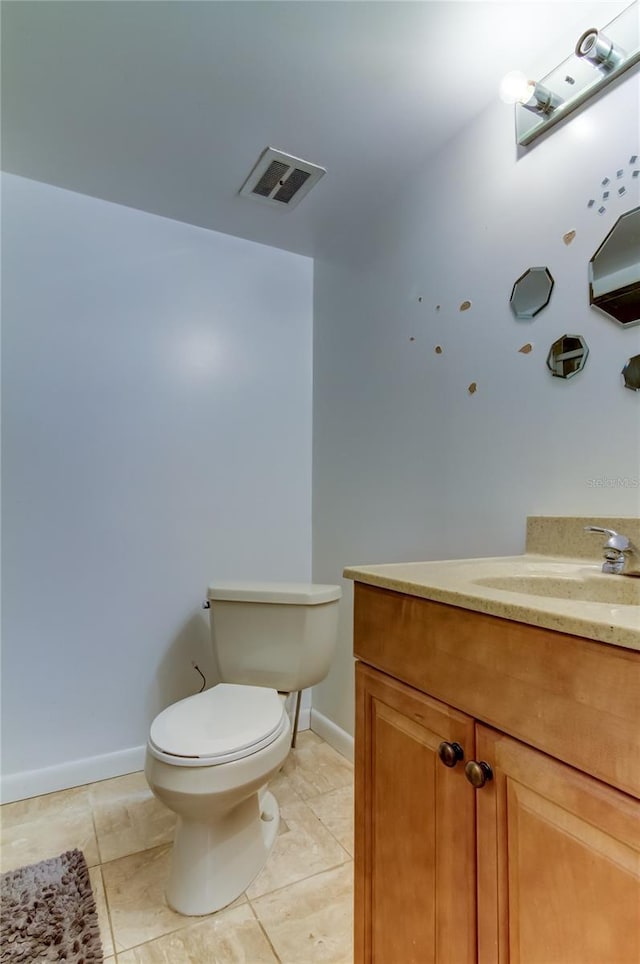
(415, 829)
(558, 862)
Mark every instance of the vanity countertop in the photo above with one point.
(457, 582)
(569, 594)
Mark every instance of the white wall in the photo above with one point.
(157, 436)
(407, 464)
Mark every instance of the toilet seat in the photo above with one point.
(225, 723)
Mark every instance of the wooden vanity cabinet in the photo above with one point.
(541, 865)
(415, 828)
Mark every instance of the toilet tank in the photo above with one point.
(281, 635)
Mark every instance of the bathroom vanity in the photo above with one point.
(497, 762)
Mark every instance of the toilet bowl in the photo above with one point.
(209, 758)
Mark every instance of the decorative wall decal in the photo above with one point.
(568, 237)
(438, 349)
(411, 338)
(531, 292)
(419, 297)
(631, 374)
(621, 191)
(567, 356)
(473, 387)
(465, 306)
(526, 349)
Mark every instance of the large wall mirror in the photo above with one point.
(614, 271)
(631, 374)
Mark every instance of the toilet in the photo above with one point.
(210, 756)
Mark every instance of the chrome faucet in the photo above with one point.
(620, 555)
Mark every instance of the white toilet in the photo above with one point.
(210, 756)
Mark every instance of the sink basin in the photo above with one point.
(611, 589)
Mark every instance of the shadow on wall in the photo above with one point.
(176, 676)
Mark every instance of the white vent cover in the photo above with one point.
(281, 180)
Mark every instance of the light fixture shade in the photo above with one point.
(594, 47)
(543, 100)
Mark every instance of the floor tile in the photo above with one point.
(233, 936)
(128, 818)
(283, 790)
(311, 921)
(314, 767)
(303, 847)
(46, 826)
(308, 738)
(97, 886)
(135, 888)
(335, 811)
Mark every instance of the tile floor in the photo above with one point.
(297, 911)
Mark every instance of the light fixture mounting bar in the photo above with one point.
(578, 78)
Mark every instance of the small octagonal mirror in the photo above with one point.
(631, 374)
(567, 356)
(614, 272)
(531, 292)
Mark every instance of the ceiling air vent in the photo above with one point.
(281, 180)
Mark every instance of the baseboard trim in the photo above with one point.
(33, 783)
(334, 735)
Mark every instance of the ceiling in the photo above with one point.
(165, 106)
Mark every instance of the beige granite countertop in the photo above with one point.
(595, 605)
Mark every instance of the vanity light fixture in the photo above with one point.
(542, 104)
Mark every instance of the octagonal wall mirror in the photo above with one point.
(531, 292)
(631, 374)
(614, 272)
(567, 356)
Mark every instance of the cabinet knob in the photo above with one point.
(478, 773)
(450, 753)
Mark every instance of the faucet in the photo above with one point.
(620, 555)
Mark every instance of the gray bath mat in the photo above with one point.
(48, 913)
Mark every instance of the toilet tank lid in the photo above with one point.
(295, 593)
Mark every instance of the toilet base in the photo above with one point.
(213, 862)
